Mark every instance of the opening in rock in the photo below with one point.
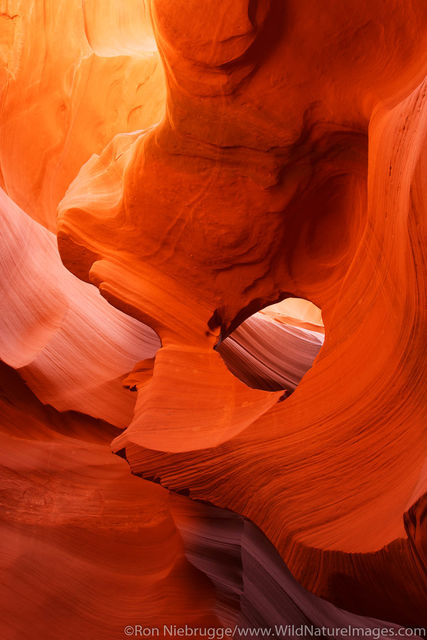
(276, 346)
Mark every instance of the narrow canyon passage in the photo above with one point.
(213, 305)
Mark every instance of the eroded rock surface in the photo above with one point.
(227, 157)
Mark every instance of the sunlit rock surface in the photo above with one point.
(273, 351)
(237, 191)
(337, 465)
(71, 347)
(72, 75)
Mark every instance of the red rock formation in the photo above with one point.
(256, 590)
(288, 161)
(86, 548)
(331, 471)
(68, 83)
(72, 348)
(272, 351)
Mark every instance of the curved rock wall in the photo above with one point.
(170, 169)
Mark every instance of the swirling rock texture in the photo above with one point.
(255, 588)
(56, 318)
(220, 172)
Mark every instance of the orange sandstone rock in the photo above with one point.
(281, 154)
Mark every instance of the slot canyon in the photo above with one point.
(213, 318)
